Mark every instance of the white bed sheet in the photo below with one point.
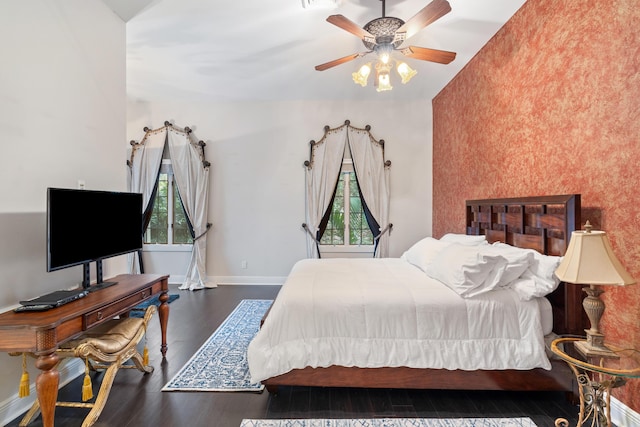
(388, 313)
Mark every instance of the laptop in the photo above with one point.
(57, 298)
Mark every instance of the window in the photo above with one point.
(168, 224)
(347, 214)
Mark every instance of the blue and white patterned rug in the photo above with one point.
(395, 422)
(221, 363)
(140, 309)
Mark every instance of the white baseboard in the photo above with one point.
(14, 406)
(234, 280)
(622, 415)
(248, 280)
(176, 280)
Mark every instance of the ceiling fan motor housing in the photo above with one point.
(384, 29)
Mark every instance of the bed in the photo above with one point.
(398, 327)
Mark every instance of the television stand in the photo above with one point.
(100, 286)
(86, 277)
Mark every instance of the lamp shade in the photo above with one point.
(590, 260)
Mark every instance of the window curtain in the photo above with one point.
(372, 174)
(321, 177)
(191, 172)
(144, 167)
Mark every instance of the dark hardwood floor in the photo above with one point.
(136, 399)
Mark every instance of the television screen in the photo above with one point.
(85, 226)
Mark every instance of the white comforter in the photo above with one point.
(387, 312)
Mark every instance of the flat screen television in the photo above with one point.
(85, 226)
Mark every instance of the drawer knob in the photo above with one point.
(99, 315)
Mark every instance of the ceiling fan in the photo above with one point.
(385, 34)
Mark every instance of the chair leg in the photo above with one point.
(103, 394)
(139, 363)
(31, 414)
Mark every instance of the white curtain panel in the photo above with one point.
(373, 178)
(192, 179)
(321, 178)
(145, 161)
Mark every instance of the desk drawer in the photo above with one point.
(111, 310)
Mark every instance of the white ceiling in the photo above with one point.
(210, 50)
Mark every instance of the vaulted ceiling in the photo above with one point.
(237, 50)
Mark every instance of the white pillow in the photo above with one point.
(422, 253)
(518, 261)
(466, 269)
(539, 279)
(465, 239)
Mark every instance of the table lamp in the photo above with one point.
(590, 260)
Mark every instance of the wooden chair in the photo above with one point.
(107, 346)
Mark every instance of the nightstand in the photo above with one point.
(596, 377)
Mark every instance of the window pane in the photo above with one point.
(359, 233)
(157, 230)
(180, 227)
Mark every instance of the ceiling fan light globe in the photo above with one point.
(405, 72)
(362, 75)
(384, 82)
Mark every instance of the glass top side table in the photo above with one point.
(596, 376)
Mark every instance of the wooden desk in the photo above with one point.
(41, 332)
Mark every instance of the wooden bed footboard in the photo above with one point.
(559, 378)
(541, 223)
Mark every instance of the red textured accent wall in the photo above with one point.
(551, 105)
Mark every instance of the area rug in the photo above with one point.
(138, 310)
(395, 422)
(221, 363)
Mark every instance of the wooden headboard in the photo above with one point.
(542, 223)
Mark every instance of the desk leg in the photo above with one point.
(47, 386)
(163, 312)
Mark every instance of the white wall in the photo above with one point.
(62, 115)
(62, 111)
(257, 150)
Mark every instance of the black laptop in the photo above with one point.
(57, 298)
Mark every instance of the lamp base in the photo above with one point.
(594, 346)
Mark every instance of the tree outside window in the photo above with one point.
(168, 224)
(347, 215)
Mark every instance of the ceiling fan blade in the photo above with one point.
(350, 26)
(429, 14)
(339, 61)
(425, 54)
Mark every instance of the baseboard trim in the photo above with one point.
(176, 280)
(233, 280)
(15, 406)
(622, 415)
(248, 280)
